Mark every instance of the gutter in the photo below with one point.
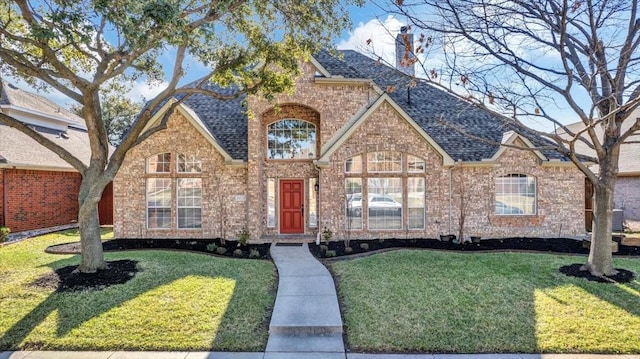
(23, 166)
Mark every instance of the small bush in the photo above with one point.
(244, 236)
(364, 246)
(327, 234)
(221, 250)
(324, 248)
(4, 232)
(253, 253)
(348, 250)
(211, 247)
(381, 240)
(238, 253)
(330, 253)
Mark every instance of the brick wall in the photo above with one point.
(40, 199)
(1, 197)
(627, 197)
(223, 212)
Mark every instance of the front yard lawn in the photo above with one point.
(426, 301)
(178, 301)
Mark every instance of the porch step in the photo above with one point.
(289, 238)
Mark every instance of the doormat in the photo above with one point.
(288, 244)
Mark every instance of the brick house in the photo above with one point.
(37, 188)
(353, 149)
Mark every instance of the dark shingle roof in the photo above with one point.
(428, 106)
(446, 118)
(226, 119)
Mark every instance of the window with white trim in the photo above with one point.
(159, 203)
(163, 201)
(393, 196)
(189, 202)
(384, 162)
(515, 194)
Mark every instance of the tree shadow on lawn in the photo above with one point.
(73, 309)
(483, 311)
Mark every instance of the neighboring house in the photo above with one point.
(355, 150)
(37, 188)
(627, 190)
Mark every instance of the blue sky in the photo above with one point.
(369, 22)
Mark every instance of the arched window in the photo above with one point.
(515, 195)
(291, 139)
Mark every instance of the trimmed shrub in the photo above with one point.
(238, 253)
(253, 253)
(348, 250)
(330, 253)
(364, 246)
(4, 232)
(221, 250)
(211, 247)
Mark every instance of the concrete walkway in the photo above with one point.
(306, 320)
(305, 324)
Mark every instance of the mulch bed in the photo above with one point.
(555, 245)
(66, 279)
(208, 246)
(575, 270)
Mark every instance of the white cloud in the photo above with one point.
(382, 35)
(143, 90)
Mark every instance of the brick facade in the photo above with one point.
(627, 197)
(235, 198)
(39, 199)
(223, 208)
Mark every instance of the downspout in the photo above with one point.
(458, 162)
(450, 197)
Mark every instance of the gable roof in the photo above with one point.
(226, 120)
(11, 97)
(45, 117)
(424, 104)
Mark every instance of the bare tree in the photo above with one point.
(78, 47)
(527, 59)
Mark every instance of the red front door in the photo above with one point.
(291, 206)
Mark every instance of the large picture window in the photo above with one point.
(515, 195)
(394, 197)
(384, 202)
(291, 139)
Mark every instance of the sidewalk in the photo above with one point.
(317, 355)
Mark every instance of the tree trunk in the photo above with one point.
(600, 261)
(90, 241)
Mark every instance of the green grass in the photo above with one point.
(426, 301)
(179, 301)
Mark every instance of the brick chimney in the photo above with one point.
(405, 57)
